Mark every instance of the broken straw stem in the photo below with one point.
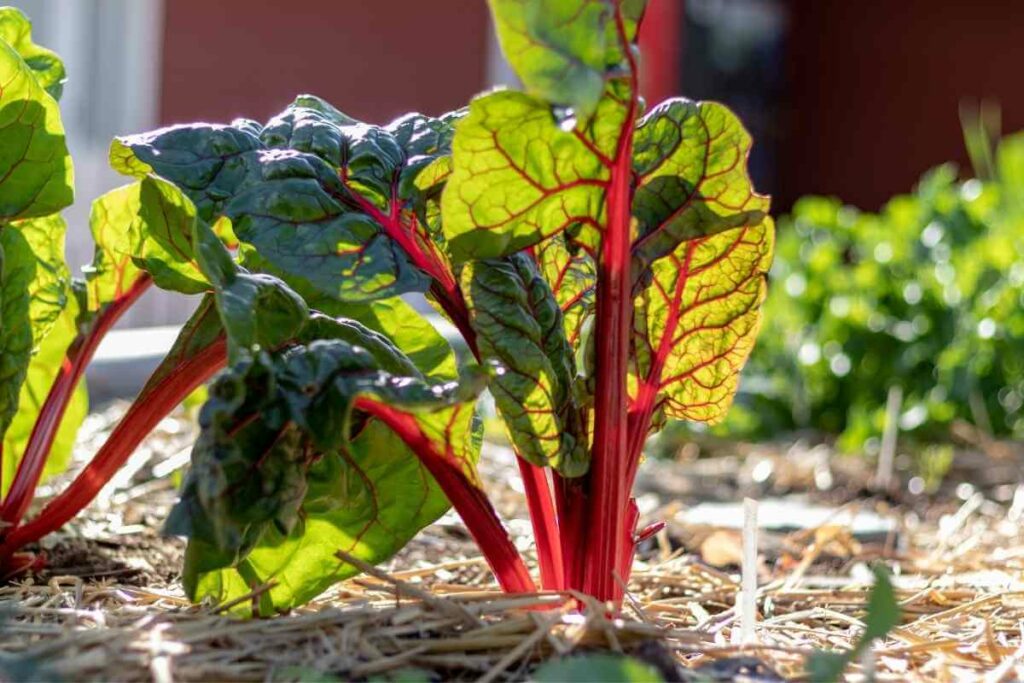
(887, 453)
(747, 599)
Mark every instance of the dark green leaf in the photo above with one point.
(16, 31)
(283, 475)
(519, 326)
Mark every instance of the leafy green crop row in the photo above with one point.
(926, 295)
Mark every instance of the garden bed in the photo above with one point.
(109, 606)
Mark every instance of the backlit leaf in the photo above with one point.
(696, 323)
(518, 178)
(690, 159)
(41, 372)
(557, 48)
(16, 31)
(572, 275)
(36, 176)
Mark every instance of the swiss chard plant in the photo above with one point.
(604, 265)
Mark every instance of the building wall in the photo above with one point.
(373, 60)
(874, 90)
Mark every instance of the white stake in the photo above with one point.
(887, 453)
(747, 599)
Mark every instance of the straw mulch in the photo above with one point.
(110, 608)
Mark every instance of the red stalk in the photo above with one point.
(609, 481)
(467, 499)
(545, 526)
(144, 414)
(446, 293)
(81, 351)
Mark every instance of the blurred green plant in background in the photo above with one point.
(926, 295)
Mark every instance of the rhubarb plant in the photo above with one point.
(604, 265)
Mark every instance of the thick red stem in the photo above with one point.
(467, 499)
(609, 481)
(545, 525)
(144, 414)
(81, 351)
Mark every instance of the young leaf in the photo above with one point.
(557, 48)
(16, 31)
(519, 326)
(36, 176)
(690, 161)
(696, 323)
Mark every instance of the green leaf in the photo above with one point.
(597, 668)
(16, 31)
(558, 48)
(41, 372)
(400, 322)
(518, 178)
(145, 226)
(519, 326)
(284, 474)
(572, 275)
(883, 615)
(36, 176)
(208, 163)
(319, 195)
(696, 323)
(690, 159)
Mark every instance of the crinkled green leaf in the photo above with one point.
(696, 323)
(257, 310)
(572, 275)
(319, 195)
(400, 322)
(207, 162)
(48, 290)
(36, 176)
(16, 31)
(519, 326)
(41, 372)
(518, 178)
(284, 475)
(690, 160)
(558, 48)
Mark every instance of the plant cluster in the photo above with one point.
(926, 295)
(605, 267)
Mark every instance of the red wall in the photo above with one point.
(372, 59)
(875, 89)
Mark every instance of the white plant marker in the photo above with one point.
(746, 600)
(887, 453)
